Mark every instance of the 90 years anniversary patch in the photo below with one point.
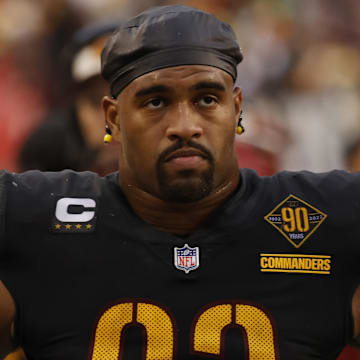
(295, 219)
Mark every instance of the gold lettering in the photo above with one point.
(307, 264)
(287, 263)
(321, 264)
(314, 264)
(327, 264)
(294, 264)
(278, 263)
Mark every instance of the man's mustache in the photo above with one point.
(188, 145)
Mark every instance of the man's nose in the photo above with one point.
(184, 123)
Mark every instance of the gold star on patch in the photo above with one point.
(57, 226)
(68, 226)
(295, 219)
(78, 226)
(88, 226)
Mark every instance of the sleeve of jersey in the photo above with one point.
(336, 192)
(28, 204)
(332, 201)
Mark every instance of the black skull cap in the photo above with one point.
(168, 36)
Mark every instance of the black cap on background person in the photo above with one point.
(71, 137)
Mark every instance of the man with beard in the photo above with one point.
(178, 255)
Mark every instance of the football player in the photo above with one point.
(179, 255)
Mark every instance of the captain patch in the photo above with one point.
(74, 215)
(295, 219)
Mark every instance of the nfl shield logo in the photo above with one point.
(186, 258)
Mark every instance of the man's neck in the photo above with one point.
(177, 218)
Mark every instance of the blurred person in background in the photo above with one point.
(266, 137)
(72, 137)
(31, 32)
(352, 155)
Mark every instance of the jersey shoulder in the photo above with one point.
(335, 185)
(31, 197)
(35, 183)
(336, 193)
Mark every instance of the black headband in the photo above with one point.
(164, 37)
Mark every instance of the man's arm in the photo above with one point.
(356, 317)
(7, 315)
(17, 355)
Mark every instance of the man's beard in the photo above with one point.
(190, 185)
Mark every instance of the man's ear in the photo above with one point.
(110, 109)
(237, 96)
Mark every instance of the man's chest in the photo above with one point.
(190, 300)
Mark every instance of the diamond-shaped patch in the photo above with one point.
(295, 219)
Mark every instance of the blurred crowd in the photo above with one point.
(300, 76)
(300, 79)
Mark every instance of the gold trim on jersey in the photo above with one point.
(296, 263)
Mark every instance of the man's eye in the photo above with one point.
(154, 103)
(207, 101)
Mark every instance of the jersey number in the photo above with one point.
(206, 334)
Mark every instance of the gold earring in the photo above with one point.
(108, 136)
(240, 129)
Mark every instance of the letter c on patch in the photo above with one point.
(62, 210)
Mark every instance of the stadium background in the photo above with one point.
(300, 75)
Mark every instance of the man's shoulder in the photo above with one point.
(37, 183)
(306, 180)
(302, 180)
(335, 191)
(329, 184)
(33, 192)
(31, 199)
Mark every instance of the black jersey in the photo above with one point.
(270, 276)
